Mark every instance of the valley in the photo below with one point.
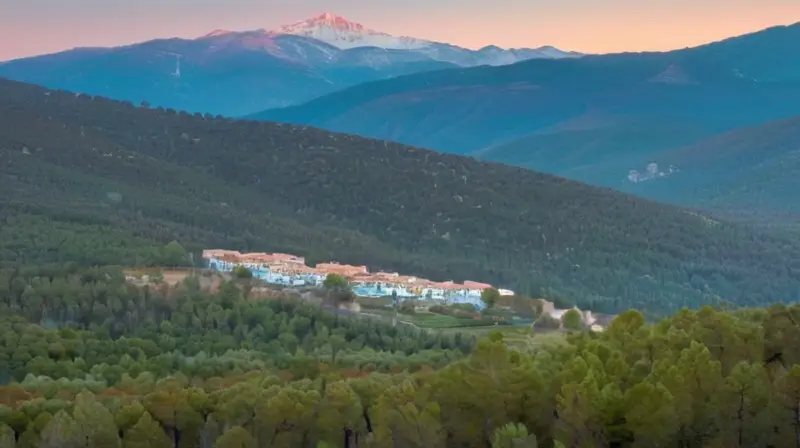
(96, 181)
(596, 118)
(321, 235)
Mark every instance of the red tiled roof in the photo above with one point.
(476, 285)
(292, 264)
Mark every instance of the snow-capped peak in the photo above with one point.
(324, 20)
(342, 33)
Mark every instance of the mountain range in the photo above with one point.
(601, 119)
(94, 181)
(237, 73)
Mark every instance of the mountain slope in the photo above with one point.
(593, 149)
(229, 75)
(236, 73)
(755, 168)
(750, 169)
(75, 165)
(172, 73)
(714, 88)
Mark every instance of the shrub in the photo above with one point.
(546, 322)
(242, 272)
(572, 320)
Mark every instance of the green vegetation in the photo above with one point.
(242, 272)
(546, 322)
(438, 321)
(98, 182)
(338, 289)
(631, 101)
(513, 436)
(336, 281)
(92, 361)
(92, 358)
(595, 118)
(752, 169)
(490, 297)
(572, 320)
(458, 317)
(95, 323)
(599, 154)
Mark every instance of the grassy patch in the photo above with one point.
(171, 276)
(541, 340)
(432, 320)
(516, 336)
(436, 321)
(376, 303)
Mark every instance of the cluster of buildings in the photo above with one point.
(652, 172)
(291, 270)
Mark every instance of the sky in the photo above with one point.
(31, 27)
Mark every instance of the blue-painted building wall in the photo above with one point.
(263, 272)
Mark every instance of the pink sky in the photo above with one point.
(596, 26)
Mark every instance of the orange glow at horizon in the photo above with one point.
(605, 31)
(591, 26)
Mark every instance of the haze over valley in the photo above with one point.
(600, 119)
(596, 118)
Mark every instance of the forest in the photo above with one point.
(90, 360)
(99, 182)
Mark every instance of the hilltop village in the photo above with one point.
(291, 270)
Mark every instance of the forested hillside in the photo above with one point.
(95, 181)
(595, 149)
(753, 168)
(197, 370)
(740, 81)
(117, 328)
(595, 118)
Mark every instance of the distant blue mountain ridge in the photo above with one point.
(595, 118)
(237, 73)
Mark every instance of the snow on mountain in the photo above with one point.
(344, 34)
(368, 47)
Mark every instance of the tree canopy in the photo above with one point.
(490, 297)
(336, 281)
(572, 320)
(241, 272)
(94, 361)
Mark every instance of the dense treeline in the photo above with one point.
(98, 182)
(696, 379)
(92, 323)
